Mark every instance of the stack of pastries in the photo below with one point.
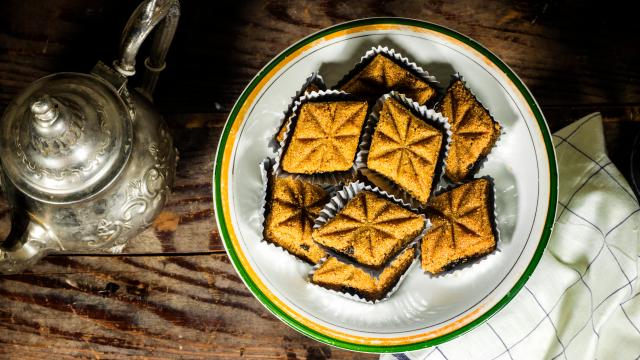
(386, 125)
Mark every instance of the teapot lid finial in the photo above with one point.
(44, 111)
(65, 137)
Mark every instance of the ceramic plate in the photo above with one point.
(425, 311)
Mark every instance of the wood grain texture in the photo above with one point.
(569, 53)
(152, 307)
(576, 57)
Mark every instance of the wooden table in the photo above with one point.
(173, 294)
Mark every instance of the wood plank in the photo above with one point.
(148, 307)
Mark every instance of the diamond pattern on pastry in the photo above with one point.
(293, 207)
(474, 130)
(336, 275)
(405, 149)
(325, 137)
(382, 75)
(461, 227)
(369, 229)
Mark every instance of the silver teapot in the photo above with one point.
(86, 162)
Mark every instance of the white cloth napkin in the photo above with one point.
(582, 301)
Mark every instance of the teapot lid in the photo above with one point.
(65, 137)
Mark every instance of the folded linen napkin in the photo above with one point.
(582, 301)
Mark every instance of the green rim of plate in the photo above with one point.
(553, 193)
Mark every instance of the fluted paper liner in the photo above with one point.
(493, 216)
(403, 61)
(445, 181)
(340, 200)
(314, 79)
(429, 116)
(358, 298)
(331, 178)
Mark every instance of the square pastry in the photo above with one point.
(461, 226)
(325, 137)
(345, 278)
(474, 131)
(405, 149)
(369, 229)
(382, 75)
(292, 207)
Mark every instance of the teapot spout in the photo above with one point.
(27, 243)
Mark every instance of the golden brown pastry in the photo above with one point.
(325, 137)
(338, 276)
(405, 149)
(283, 128)
(369, 229)
(461, 227)
(292, 208)
(381, 75)
(474, 130)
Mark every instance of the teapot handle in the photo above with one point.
(28, 241)
(143, 20)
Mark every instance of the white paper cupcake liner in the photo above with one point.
(313, 79)
(493, 216)
(340, 200)
(430, 117)
(483, 159)
(265, 173)
(358, 298)
(403, 61)
(332, 178)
